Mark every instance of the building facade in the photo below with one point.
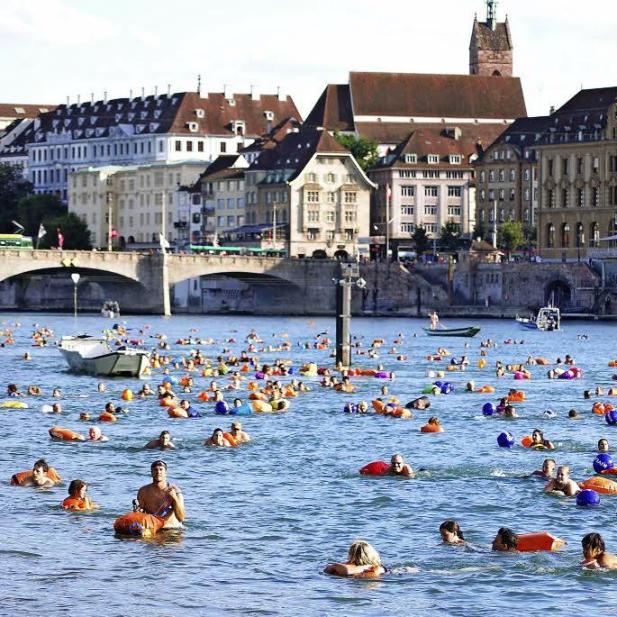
(144, 130)
(141, 201)
(309, 196)
(507, 178)
(577, 210)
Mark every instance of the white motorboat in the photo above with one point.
(547, 320)
(95, 356)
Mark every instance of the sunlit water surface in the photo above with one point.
(263, 519)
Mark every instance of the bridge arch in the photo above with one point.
(559, 291)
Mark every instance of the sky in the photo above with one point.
(51, 49)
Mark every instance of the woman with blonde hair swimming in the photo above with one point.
(362, 560)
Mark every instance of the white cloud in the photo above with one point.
(52, 22)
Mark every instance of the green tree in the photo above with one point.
(363, 150)
(421, 240)
(481, 231)
(450, 239)
(510, 236)
(13, 187)
(34, 209)
(75, 231)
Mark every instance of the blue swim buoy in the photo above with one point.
(221, 408)
(611, 417)
(447, 388)
(505, 440)
(587, 498)
(350, 408)
(602, 462)
(439, 384)
(243, 410)
(488, 409)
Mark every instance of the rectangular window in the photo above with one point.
(454, 211)
(430, 210)
(408, 190)
(200, 146)
(564, 198)
(223, 147)
(431, 173)
(431, 191)
(331, 198)
(407, 210)
(595, 196)
(330, 216)
(407, 228)
(312, 216)
(349, 234)
(189, 146)
(407, 173)
(451, 175)
(350, 197)
(432, 159)
(220, 221)
(231, 220)
(455, 191)
(330, 235)
(350, 216)
(178, 145)
(312, 197)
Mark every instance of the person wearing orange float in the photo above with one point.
(41, 476)
(595, 554)
(432, 426)
(78, 498)
(362, 561)
(238, 434)
(109, 414)
(562, 483)
(162, 499)
(539, 443)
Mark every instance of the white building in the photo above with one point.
(144, 130)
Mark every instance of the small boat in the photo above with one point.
(547, 320)
(94, 356)
(466, 332)
(110, 309)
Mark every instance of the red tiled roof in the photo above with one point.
(333, 109)
(23, 110)
(440, 96)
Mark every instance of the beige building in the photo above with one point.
(578, 177)
(141, 199)
(312, 192)
(507, 177)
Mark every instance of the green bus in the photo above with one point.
(15, 241)
(237, 250)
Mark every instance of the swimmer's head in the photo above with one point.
(361, 553)
(603, 445)
(450, 530)
(77, 488)
(593, 545)
(158, 463)
(94, 433)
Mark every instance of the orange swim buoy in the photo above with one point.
(75, 503)
(127, 395)
(600, 485)
(177, 412)
(598, 408)
(538, 541)
(526, 441)
(138, 524)
(231, 439)
(485, 390)
(612, 363)
(543, 361)
(19, 478)
(258, 396)
(378, 406)
(65, 434)
(401, 412)
(431, 428)
(203, 396)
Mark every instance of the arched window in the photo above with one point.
(580, 235)
(594, 234)
(550, 235)
(565, 235)
(612, 231)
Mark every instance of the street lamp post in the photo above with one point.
(109, 223)
(75, 277)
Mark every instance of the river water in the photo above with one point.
(264, 519)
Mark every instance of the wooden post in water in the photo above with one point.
(349, 275)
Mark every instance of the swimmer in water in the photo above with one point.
(362, 561)
(505, 541)
(217, 439)
(78, 498)
(562, 483)
(161, 498)
(95, 434)
(603, 446)
(510, 412)
(538, 441)
(237, 432)
(451, 532)
(398, 467)
(419, 403)
(163, 442)
(595, 555)
(40, 477)
(547, 471)
(573, 415)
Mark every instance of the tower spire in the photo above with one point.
(199, 84)
(491, 13)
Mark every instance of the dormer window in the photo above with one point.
(192, 126)
(118, 116)
(144, 115)
(455, 159)
(238, 127)
(411, 158)
(157, 114)
(200, 113)
(269, 115)
(432, 159)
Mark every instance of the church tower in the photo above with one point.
(490, 49)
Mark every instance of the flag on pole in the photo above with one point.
(60, 238)
(388, 192)
(164, 244)
(42, 231)
(20, 228)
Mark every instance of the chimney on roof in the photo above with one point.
(143, 93)
(105, 96)
(254, 93)
(227, 93)
(168, 89)
(79, 99)
(552, 110)
(131, 94)
(68, 101)
(279, 95)
(156, 91)
(199, 84)
(92, 98)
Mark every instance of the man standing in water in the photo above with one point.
(161, 498)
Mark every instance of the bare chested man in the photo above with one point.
(398, 467)
(163, 442)
(562, 483)
(161, 498)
